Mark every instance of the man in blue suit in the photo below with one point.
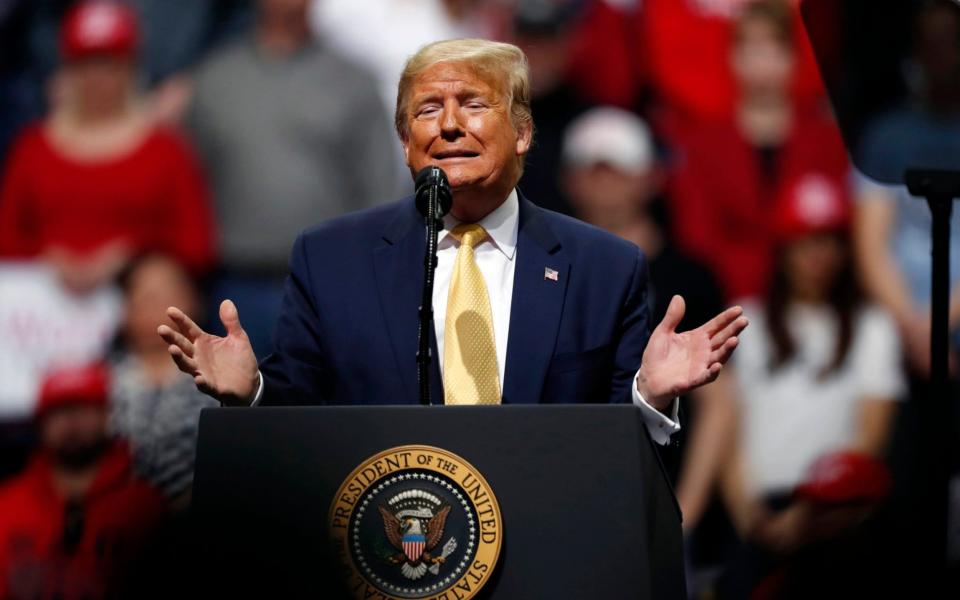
(531, 306)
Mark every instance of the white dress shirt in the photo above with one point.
(496, 258)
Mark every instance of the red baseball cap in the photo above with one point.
(812, 203)
(70, 386)
(845, 477)
(99, 27)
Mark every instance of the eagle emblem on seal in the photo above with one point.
(415, 531)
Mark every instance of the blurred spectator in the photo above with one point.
(687, 45)
(97, 181)
(175, 33)
(893, 229)
(292, 134)
(154, 406)
(611, 176)
(731, 172)
(819, 374)
(42, 325)
(382, 34)
(545, 32)
(73, 525)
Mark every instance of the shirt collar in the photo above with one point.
(501, 225)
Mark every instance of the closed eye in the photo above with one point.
(427, 110)
(475, 104)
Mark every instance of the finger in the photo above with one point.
(714, 371)
(175, 338)
(731, 330)
(184, 323)
(673, 315)
(202, 385)
(230, 317)
(184, 362)
(707, 376)
(722, 320)
(722, 354)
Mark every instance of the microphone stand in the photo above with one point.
(939, 188)
(426, 302)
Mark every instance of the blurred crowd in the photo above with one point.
(167, 152)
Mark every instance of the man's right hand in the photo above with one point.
(222, 367)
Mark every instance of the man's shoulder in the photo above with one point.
(583, 240)
(359, 227)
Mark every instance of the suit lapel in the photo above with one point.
(400, 285)
(536, 306)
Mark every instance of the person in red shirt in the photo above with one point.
(684, 50)
(730, 173)
(98, 181)
(74, 523)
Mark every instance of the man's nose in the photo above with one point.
(450, 126)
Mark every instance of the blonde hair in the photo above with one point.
(504, 62)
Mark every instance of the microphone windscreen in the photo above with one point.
(433, 177)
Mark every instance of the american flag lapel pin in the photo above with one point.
(551, 274)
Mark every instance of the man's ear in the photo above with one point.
(524, 138)
(405, 144)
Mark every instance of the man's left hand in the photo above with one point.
(675, 363)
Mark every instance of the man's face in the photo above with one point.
(74, 436)
(283, 9)
(101, 83)
(602, 188)
(460, 121)
(813, 264)
(762, 63)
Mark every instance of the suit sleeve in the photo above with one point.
(634, 333)
(298, 372)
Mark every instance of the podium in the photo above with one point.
(515, 502)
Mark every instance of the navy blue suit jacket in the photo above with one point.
(347, 332)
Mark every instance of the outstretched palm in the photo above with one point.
(675, 363)
(223, 367)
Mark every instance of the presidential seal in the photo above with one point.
(416, 522)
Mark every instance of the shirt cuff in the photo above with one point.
(259, 395)
(660, 426)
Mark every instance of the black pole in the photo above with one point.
(936, 412)
(941, 208)
(939, 406)
(426, 300)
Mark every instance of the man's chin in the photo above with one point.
(463, 183)
(79, 456)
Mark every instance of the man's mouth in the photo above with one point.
(448, 154)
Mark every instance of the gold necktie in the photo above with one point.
(470, 374)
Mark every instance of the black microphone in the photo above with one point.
(433, 181)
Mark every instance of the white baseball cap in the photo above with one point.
(609, 135)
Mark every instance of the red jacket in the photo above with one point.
(721, 205)
(154, 198)
(119, 515)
